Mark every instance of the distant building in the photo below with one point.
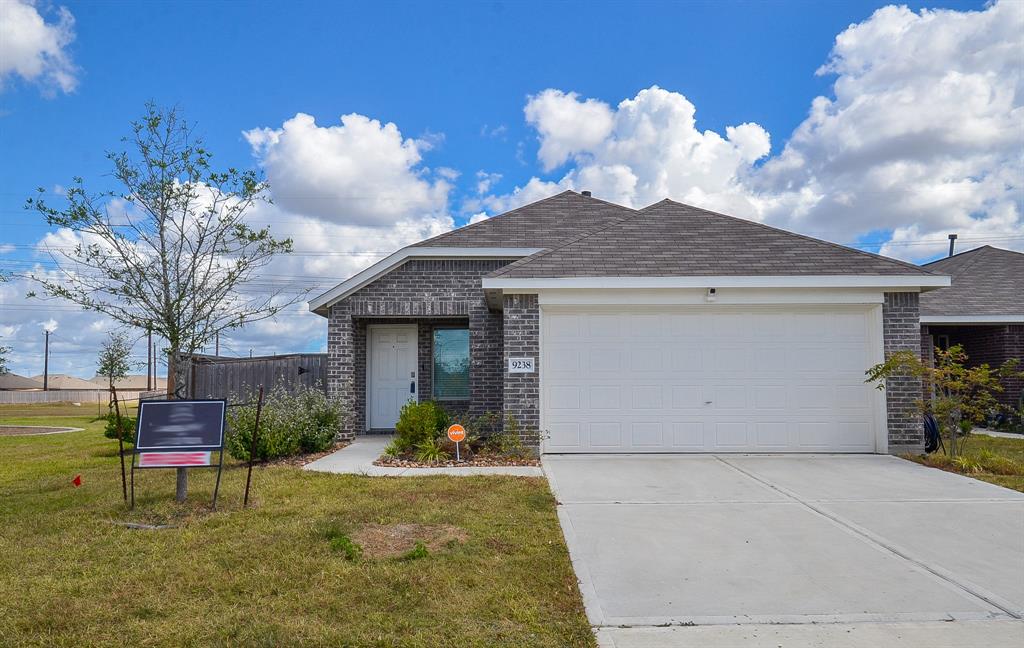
(64, 381)
(12, 382)
(135, 382)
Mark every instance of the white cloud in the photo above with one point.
(361, 172)
(485, 181)
(566, 124)
(921, 136)
(34, 49)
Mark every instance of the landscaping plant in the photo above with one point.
(294, 421)
(963, 396)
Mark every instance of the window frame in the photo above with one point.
(433, 361)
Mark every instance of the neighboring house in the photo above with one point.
(983, 310)
(64, 381)
(12, 381)
(601, 328)
(135, 382)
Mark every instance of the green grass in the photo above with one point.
(270, 575)
(992, 459)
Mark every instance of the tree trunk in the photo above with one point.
(176, 386)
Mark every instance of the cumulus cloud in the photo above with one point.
(360, 172)
(921, 136)
(34, 49)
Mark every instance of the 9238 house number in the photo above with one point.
(521, 365)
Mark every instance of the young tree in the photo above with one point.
(963, 396)
(114, 361)
(170, 248)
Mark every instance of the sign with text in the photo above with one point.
(456, 433)
(521, 365)
(180, 425)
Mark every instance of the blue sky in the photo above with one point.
(455, 79)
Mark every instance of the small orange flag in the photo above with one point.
(77, 481)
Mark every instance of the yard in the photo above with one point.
(278, 573)
(992, 459)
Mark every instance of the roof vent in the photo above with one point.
(952, 242)
(586, 193)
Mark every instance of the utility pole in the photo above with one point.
(149, 356)
(46, 361)
(216, 348)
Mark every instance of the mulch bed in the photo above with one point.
(478, 461)
(299, 461)
(394, 540)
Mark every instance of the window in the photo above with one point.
(451, 364)
(942, 341)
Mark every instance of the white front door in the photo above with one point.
(391, 373)
(709, 379)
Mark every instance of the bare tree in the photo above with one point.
(171, 248)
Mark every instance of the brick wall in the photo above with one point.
(425, 292)
(991, 345)
(901, 331)
(522, 391)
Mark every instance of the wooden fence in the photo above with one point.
(239, 378)
(84, 396)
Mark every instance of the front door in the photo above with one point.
(391, 373)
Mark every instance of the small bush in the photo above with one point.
(431, 451)
(127, 427)
(293, 422)
(419, 423)
(417, 552)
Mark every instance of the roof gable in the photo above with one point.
(987, 281)
(670, 239)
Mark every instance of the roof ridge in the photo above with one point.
(506, 213)
(905, 264)
(576, 239)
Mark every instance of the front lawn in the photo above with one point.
(992, 459)
(495, 572)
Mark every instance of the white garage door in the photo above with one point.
(708, 379)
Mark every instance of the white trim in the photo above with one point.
(972, 319)
(388, 263)
(698, 296)
(758, 281)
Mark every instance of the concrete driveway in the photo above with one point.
(675, 540)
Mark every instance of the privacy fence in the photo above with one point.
(239, 378)
(83, 396)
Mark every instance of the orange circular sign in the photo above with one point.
(456, 433)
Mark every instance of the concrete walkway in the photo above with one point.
(358, 458)
(998, 434)
(798, 551)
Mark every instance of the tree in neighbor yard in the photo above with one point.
(114, 361)
(963, 396)
(170, 247)
(3, 359)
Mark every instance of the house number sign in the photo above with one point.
(521, 365)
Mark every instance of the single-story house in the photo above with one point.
(983, 311)
(12, 381)
(65, 381)
(601, 328)
(134, 382)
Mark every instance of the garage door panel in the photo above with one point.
(708, 380)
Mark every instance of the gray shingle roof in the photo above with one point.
(986, 281)
(669, 239)
(546, 223)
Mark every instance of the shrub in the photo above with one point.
(295, 421)
(419, 423)
(127, 426)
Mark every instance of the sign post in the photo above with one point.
(252, 447)
(179, 434)
(457, 433)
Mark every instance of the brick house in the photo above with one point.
(983, 311)
(601, 328)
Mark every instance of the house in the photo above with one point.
(601, 328)
(983, 311)
(64, 381)
(12, 381)
(135, 382)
